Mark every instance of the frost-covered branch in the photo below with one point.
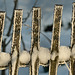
(15, 6)
(23, 42)
(40, 32)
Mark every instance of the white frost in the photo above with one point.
(34, 55)
(44, 55)
(34, 58)
(24, 57)
(64, 53)
(53, 55)
(73, 51)
(14, 56)
(4, 58)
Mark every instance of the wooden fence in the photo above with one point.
(14, 63)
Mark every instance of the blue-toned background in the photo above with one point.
(47, 10)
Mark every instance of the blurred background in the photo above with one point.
(47, 11)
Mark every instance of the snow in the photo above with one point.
(14, 56)
(24, 57)
(34, 58)
(53, 55)
(14, 61)
(26, 4)
(64, 53)
(73, 51)
(4, 58)
(34, 55)
(44, 55)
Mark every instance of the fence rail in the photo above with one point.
(17, 59)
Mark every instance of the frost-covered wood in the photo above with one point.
(38, 55)
(64, 54)
(35, 40)
(2, 19)
(73, 51)
(55, 39)
(15, 50)
(72, 63)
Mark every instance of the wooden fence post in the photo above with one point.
(2, 19)
(55, 39)
(13, 69)
(72, 62)
(35, 40)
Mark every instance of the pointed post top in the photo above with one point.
(37, 8)
(73, 3)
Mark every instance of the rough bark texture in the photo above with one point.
(72, 63)
(16, 42)
(2, 19)
(55, 39)
(35, 40)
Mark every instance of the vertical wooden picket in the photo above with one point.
(55, 39)
(2, 19)
(16, 42)
(72, 62)
(35, 39)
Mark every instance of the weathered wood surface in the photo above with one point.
(2, 19)
(35, 40)
(55, 39)
(15, 50)
(72, 63)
